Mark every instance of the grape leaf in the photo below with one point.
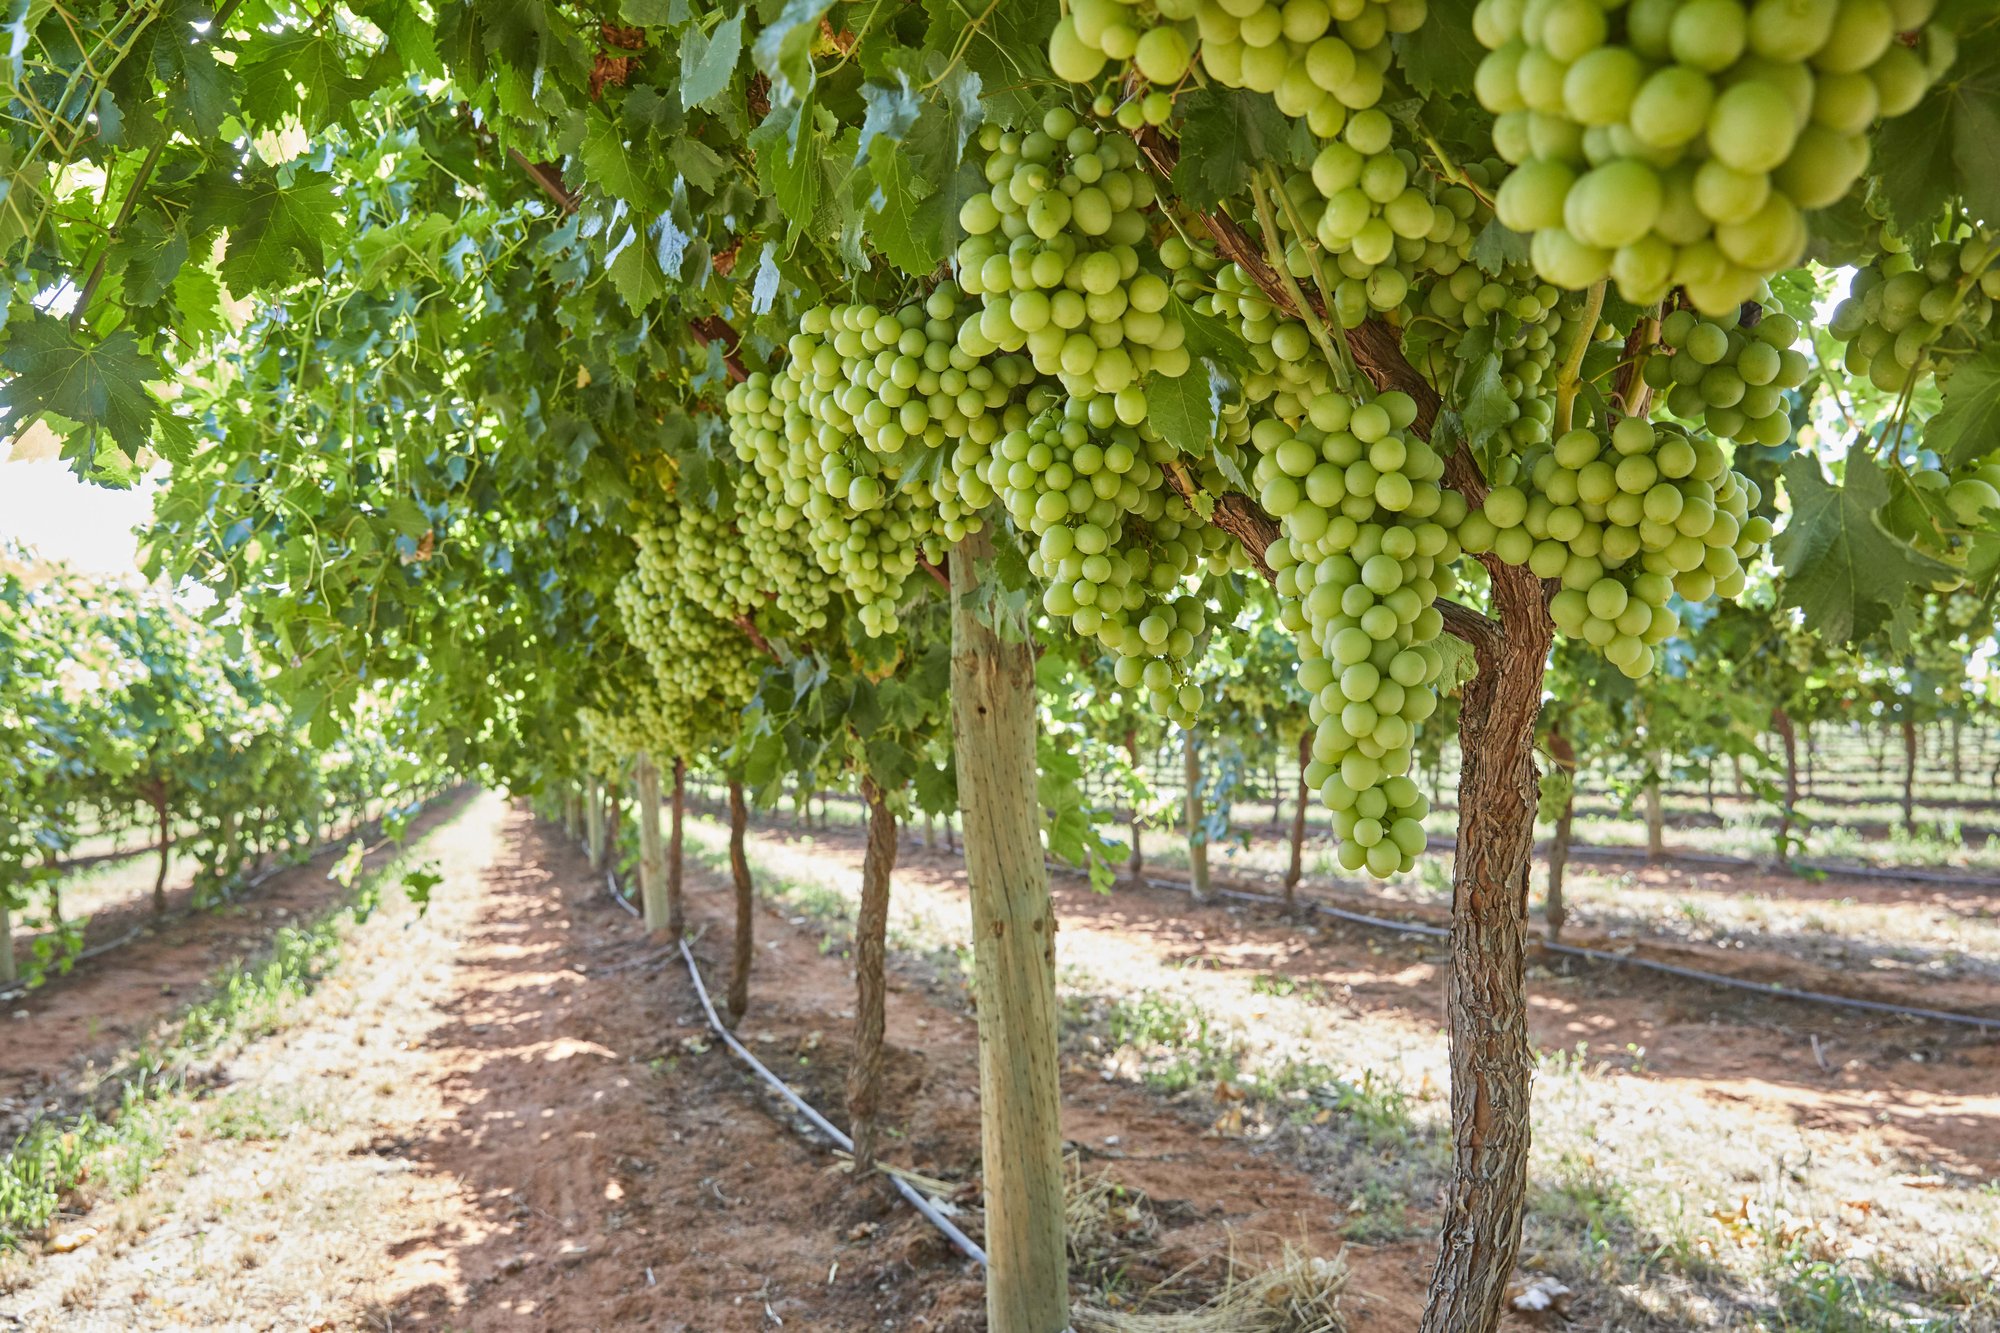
(301, 72)
(1183, 410)
(708, 59)
(1968, 425)
(784, 48)
(274, 230)
(1225, 137)
(1496, 247)
(789, 168)
(1483, 404)
(1948, 145)
(613, 165)
(891, 113)
(98, 385)
(1841, 568)
(1442, 55)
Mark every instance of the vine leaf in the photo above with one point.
(1969, 422)
(1225, 136)
(98, 385)
(784, 48)
(299, 72)
(274, 230)
(1841, 568)
(1441, 56)
(708, 60)
(1182, 409)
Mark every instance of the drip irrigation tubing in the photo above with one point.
(1766, 988)
(916, 1198)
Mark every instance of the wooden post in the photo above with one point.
(1656, 815)
(744, 953)
(1197, 834)
(1013, 924)
(871, 932)
(593, 810)
(652, 856)
(1135, 864)
(1781, 722)
(676, 916)
(8, 973)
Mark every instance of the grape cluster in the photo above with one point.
(866, 399)
(1902, 320)
(1935, 508)
(704, 668)
(1054, 253)
(1731, 377)
(1624, 528)
(1669, 143)
(1114, 546)
(1367, 547)
(1319, 59)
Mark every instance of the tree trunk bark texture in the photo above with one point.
(1656, 813)
(1909, 776)
(871, 932)
(1297, 869)
(8, 973)
(744, 953)
(166, 856)
(593, 809)
(1556, 909)
(1788, 737)
(676, 917)
(1013, 925)
(1491, 1067)
(1197, 836)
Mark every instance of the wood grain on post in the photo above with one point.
(652, 855)
(871, 931)
(1013, 921)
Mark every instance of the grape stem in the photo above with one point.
(1268, 223)
(1453, 172)
(1344, 368)
(1572, 370)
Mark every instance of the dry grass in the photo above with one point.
(1299, 1293)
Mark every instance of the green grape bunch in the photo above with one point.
(1624, 522)
(1117, 549)
(1681, 143)
(1731, 374)
(1059, 253)
(1903, 320)
(1318, 59)
(1367, 548)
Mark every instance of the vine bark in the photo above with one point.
(744, 950)
(871, 929)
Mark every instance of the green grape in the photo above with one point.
(1318, 61)
(1730, 376)
(1681, 143)
(1625, 521)
(1902, 320)
(1059, 253)
(703, 667)
(1367, 547)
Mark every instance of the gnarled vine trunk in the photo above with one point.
(1297, 869)
(871, 931)
(1909, 775)
(1013, 928)
(8, 973)
(1556, 909)
(164, 811)
(1656, 813)
(744, 953)
(1491, 1067)
(593, 811)
(1788, 737)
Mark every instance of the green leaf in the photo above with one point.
(275, 231)
(1968, 425)
(708, 60)
(784, 48)
(699, 165)
(1225, 136)
(98, 385)
(1949, 145)
(614, 165)
(1496, 248)
(891, 113)
(1841, 568)
(1441, 56)
(789, 168)
(303, 73)
(1182, 409)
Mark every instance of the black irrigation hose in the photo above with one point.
(1766, 988)
(1838, 869)
(932, 1214)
